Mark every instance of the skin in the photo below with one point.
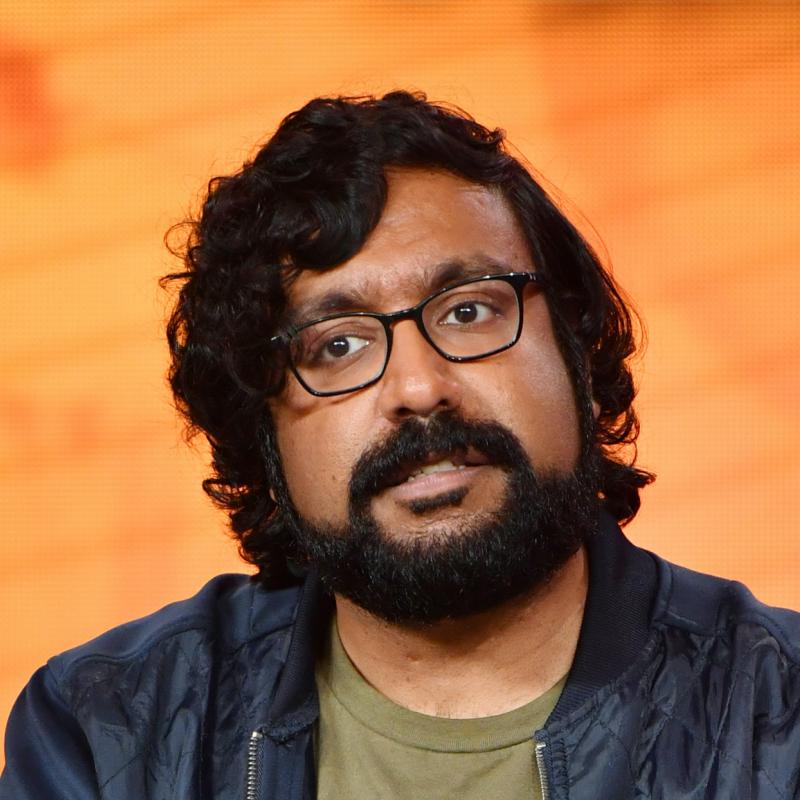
(430, 218)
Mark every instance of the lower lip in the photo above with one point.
(433, 484)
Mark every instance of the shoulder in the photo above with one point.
(715, 607)
(114, 712)
(724, 679)
(227, 613)
(723, 635)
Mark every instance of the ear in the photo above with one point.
(595, 409)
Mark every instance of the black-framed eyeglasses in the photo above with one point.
(473, 319)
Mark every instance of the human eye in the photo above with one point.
(335, 348)
(468, 312)
(474, 306)
(323, 346)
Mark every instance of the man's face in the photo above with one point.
(432, 221)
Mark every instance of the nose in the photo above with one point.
(418, 382)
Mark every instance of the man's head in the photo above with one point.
(321, 443)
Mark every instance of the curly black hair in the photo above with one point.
(308, 200)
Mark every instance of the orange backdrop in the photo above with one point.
(674, 128)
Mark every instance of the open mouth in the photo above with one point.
(436, 462)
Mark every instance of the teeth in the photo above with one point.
(439, 466)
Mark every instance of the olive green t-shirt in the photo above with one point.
(370, 748)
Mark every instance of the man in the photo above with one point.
(412, 373)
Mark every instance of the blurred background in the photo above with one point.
(671, 131)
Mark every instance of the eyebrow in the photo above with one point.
(429, 281)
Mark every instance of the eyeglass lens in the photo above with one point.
(466, 321)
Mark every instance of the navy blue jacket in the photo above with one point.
(683, 686)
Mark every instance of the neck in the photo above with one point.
(478, 666)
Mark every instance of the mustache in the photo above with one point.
(413, 443)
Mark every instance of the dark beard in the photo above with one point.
(449, 574)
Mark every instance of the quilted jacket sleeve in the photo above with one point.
(47, 755)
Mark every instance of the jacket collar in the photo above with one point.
(615, 627)
(295, 704)
(616, 620)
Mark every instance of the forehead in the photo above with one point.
(435, 228)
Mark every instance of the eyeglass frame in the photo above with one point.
(517, 280)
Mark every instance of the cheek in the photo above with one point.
(540, 395)
(317, 448)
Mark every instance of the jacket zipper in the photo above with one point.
(253, 783)
(541, 765)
